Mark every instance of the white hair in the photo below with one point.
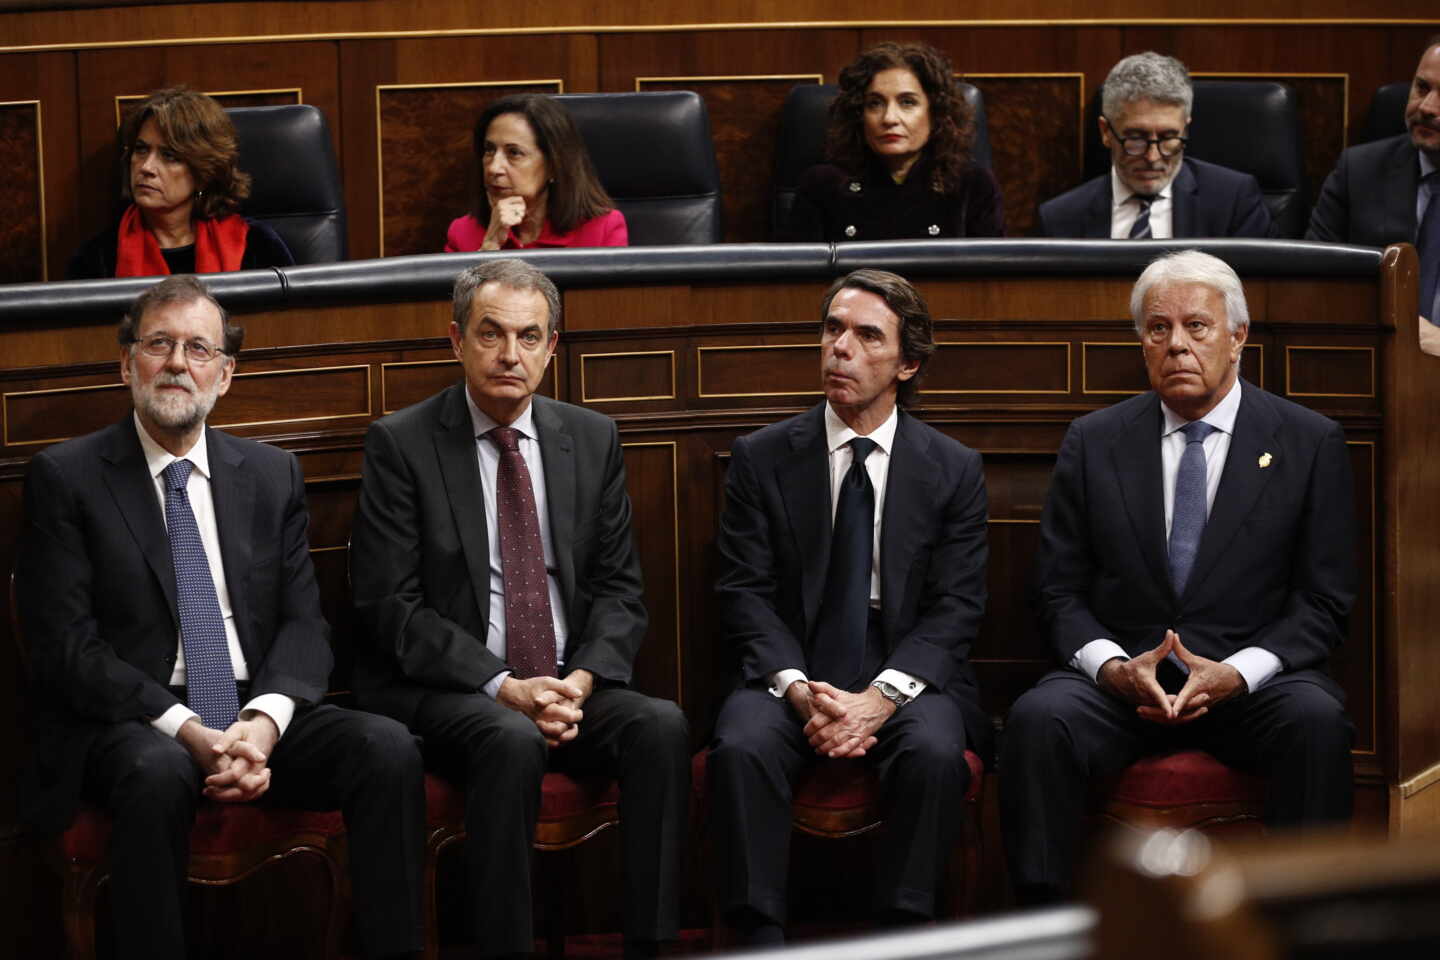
(1191, 266)
(1146, 76)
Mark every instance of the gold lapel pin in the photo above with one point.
(1265, 459)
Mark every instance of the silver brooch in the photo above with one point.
(850, 231)
(934, 230)
(854, 186)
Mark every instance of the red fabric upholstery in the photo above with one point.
(837, 784)
(561, 797)
(1184, 778)
(219, 828)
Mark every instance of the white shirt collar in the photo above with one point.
(1121, 194)
(837, 434)
(1221, 417)
(158, 458)
(525, 423)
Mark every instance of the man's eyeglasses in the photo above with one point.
(1137, 146)
(161, 347)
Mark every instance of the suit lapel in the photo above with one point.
(909, 507)
(804, 479)
(1136, 458)
(1097, 222)
(460, 471)
(557, 450)
(233, 490)
(1401, 183)
(1183, 204)
(127, 476)
(1241, 482)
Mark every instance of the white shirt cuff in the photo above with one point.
(911, 686)
(1095, 654)
(276, 706)
(492, 686)
(170, 722)
(780, 681)
(1256, 664)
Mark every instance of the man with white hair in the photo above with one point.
(1196, 567)
(1152, 189)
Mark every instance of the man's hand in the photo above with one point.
(1210, 682)
(199, 741)
(550, 702)
(1429, 337)
(1134, 682)
(247, 744)
(801, 699)
(843, 724)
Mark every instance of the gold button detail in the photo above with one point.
(854, 186)
(934, 230)
(850, 231)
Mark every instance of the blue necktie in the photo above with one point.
(845, 611)
(209, 677)
(1141, 228)
(1187, 520)
(1427, 244)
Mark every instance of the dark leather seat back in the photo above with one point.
(655, 157)
(1386, 116)
(295, 186)
(801, 144)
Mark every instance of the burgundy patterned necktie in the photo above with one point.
(529, 628)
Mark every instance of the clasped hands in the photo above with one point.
(1210, 682)
(553, 704)
(839, 723)
(234, 759)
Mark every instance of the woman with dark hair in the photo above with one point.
(178, 169)
(899, 150)
(537, 185)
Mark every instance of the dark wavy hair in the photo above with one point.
(917, 329)
(952, 124)
(198, 131)
(575, 193)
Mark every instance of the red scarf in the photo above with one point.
(219, 246)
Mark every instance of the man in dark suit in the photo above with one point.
(1381, 193)
(852, 584)
(494, 568)
(1152, 190)
(177, 647)
(1196, 567)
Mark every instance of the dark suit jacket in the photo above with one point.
(1208, 200)
(775, 550)
(420, 556)
(1276, 565)
(97, 592)
(1369, 198)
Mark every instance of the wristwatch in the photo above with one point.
(892, 693)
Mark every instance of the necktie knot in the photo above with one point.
(506, 438)
(1197, 430)
(178, 474)
(862, 447)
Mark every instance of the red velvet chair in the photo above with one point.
(572, 810)
(1186, 789)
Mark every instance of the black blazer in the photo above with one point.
(1208, 201)
(1369, 198)
(774, 545)
(97, 592)
(1276, 565)
(420, 556)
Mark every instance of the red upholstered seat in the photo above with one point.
(1183, 789)
(220, 829)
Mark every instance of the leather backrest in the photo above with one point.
(801, 144)
(1386, 116)
(295, 184)
(655, 157)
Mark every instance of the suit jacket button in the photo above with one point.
(850, 230)
(854, 186)
(934, 230)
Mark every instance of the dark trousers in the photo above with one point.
(760, 752)
(1066, 738)
(500, 756)
(368, 767)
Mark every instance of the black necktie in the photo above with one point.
(1141, 228)
(845, 612)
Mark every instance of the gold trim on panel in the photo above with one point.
(343, 546)
(1301, 346)
(1069, 380)
(380, 154)
(1011, 520)
(1298, 75)
(1085, 366)
(5, 408)
(384, 383)
(136, 97)
(1374, 604)
(1079, 121)
(1425, 778)
(817, 77)
(40, 172)
(369, 395)
(675, 502)
(700, 369)
(586, 398)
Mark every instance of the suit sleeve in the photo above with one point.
(1322, 573)
(608, 640)
(1330, 217)
(1065, 565)
(403, 629)
(71, 662)
(984, 211)
(1252, 216)
(748, 578)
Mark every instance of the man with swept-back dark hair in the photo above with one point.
(852, 582)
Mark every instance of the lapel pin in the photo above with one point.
(1264, 461)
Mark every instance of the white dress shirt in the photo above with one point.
(277, 706)
(489, 457)
(877, 465)
(1125, 209)
(1256, 664)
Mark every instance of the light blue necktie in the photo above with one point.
(1187, 521)
(209, 677)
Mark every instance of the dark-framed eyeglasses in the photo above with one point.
(161, 347)
(1138, 146)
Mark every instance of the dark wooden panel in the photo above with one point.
(1330, 372)
(37, 196)
(259, 397)
(22, 206)
(1355, 664)
(1005, 367)
(760, 370)
(651, 474)
(627, 377)
(410, 381)
(1118, 367)
(37, 417)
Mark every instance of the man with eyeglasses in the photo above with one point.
(1152, 190)
(178, 653)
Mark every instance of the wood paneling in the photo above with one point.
(1330, 372)
(37, 196)
(743, 371)
(22, 202)
(1011, 368)
(627, 377)
(652, 479)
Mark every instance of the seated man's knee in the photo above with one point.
(388, 746)
(512, 740)
(663, 726)
(1309, 717)
(158, 774)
